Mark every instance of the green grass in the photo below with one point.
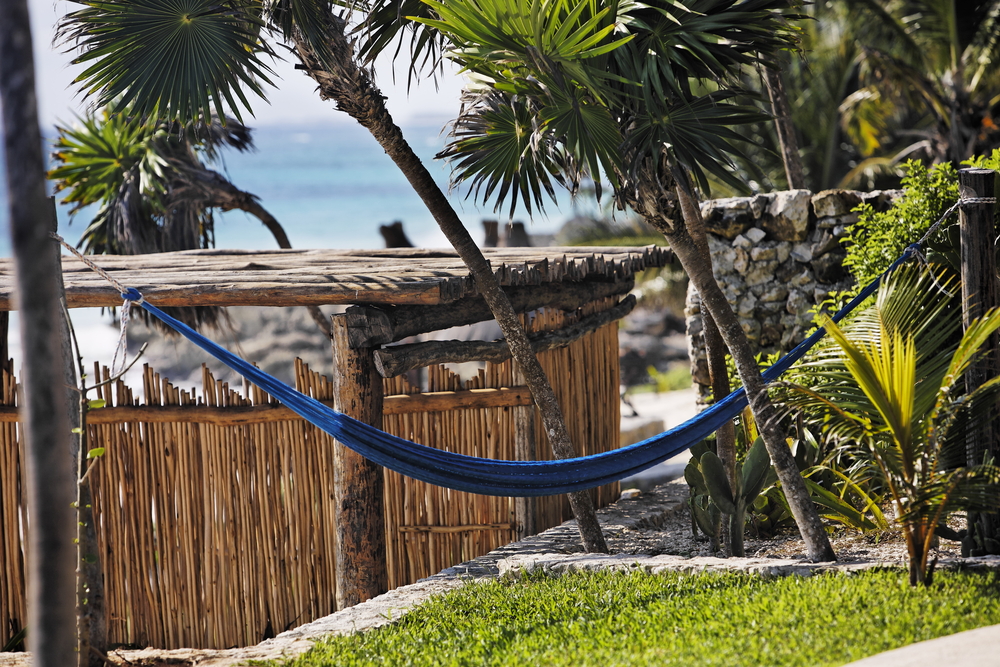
(637, 619)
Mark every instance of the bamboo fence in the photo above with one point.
(213, 536)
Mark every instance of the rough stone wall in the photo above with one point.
(775, 256)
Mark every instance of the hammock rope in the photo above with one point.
(492, 476)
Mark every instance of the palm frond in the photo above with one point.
(502, 149)
(169, 59)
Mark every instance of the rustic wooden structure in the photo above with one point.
(213, 504)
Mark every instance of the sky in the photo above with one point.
(294, 101)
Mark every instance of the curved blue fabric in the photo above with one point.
(491, 476)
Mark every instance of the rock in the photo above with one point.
(837, 221)
(801, 279)
(829, 268)
(786, 270)
(801, 252)
(797, 302)
(746, 306)
(771, 307)
(881, 200)
(760, 254)
(743, 242)
(770, 334)
(755, 235)
(759, 204)
(829, 203)
(761, 273)
(826, 243)
(694, 326)
(783, 250)
(752, 329)
(742, 260)
(787, 217)
(775, 293)
(727, 217)
(722, 262)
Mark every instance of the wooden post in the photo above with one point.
(361, 570)
(525, 449)
(980, 292)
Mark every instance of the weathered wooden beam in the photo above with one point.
(236, 415)
(411, 321)
(525, 449)
(361, 571)
(316, 277)
(398, 359)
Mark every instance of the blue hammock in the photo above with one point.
(491, 476)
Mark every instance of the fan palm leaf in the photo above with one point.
(170, 59)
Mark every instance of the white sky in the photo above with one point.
(294, 101)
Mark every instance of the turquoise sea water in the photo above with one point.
(330, 186)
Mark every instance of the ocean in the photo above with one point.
(329, 185)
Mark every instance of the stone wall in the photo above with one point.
(775, 256)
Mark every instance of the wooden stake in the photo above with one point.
(979, 288)
(980, 292)
(358, 483)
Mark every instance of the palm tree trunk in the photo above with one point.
(51, 571)
(715, 347)
(803, 510)
(355, 94)
(786, 128)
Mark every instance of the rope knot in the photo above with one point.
(132, 294)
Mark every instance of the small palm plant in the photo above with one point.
(891, 388)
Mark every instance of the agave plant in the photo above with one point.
(890, 388)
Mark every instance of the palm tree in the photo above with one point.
(929, 81)
(151, 182)
(213, 50)
(570, 90)
(881, 81)
(51, 568)
(153, 188)
(890, 388)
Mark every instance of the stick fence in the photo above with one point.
(216, 533)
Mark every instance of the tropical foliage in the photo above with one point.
(573, 90)
(151, 185)
(641, 94)
(888, 388)
(878, 82)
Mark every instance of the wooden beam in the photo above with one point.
(315, 277)
(409, 321)
(236, 415)
(361, 570)
(398, 359)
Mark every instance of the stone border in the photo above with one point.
(558, 564)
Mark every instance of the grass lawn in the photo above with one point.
(639, 619)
